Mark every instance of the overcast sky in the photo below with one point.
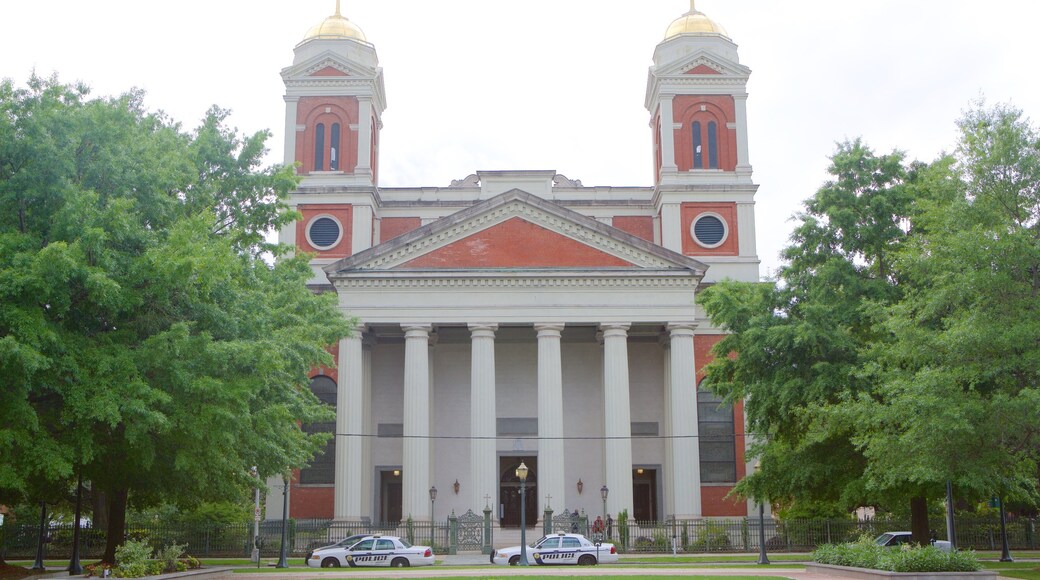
(538, 84)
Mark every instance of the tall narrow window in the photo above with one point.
(334, 148)
(319, 147)
(717, 441)
(713, 146)
(698, 157)
(323, 466)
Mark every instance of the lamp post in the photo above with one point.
(255, 555)
(41, 539)
(75, 569)
(433, 527)
(285, 520)
(603, 491)
(521, 472)
(762, 558)
(1005, 552)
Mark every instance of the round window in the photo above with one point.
(323, 233)
(709, 230)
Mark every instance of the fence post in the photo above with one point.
(827, 527)
(547, 516)
(453, 534)
(486, 549)
(207, 541)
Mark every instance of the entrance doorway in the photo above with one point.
(509, 491)
(390, 496)
(644, 494)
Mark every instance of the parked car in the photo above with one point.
(373, 551)
(344, 543)
(900, 538)
(557, 550)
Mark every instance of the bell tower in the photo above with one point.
(334, 100)
(697, 98)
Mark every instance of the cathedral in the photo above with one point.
(518, 315)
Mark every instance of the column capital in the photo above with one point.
(483, 330)
(417, 330)
(614, 329)
(681, 328)
(548, 328)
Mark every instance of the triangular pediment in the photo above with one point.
(515, 231)
(327, 63)
(704, 62)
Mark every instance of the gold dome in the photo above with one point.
(694, 22)
(336, 26)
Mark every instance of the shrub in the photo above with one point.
(191, 562)
(864, 553)
(132, 559)
(97, 569)
(712, 537)
(168, 557)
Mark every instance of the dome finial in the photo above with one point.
(693, 5)
(338, 14)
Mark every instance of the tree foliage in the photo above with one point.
(144, 340)
(899, 346)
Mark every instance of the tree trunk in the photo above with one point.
(98, 507)
(116, 524)
(919, 533)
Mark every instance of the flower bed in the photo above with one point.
(864, 559)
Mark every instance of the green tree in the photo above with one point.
(799, 341)
(144, 340)
(959, 384)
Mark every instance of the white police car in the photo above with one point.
(373, 551)
(558, 550)
(896, 539)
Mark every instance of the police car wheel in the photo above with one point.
(330, 563)
(514, 561)
(586, 560)
(399, 563)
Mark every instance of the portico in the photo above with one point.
(502, 313)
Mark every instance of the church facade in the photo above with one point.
(519, 315)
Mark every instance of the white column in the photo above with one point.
(740, 111)
(367, 470)
(483, 471)
(667, 136)
(685, 459)
(364, 150)
(672, 231)
(669, 491)
(350, 424)
(289, 156)
(361, 228)
(550, 418)
(415, 463)
(617, 418)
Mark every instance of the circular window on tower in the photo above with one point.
(709, 230)
(324, 232)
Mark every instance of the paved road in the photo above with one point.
(539, 571)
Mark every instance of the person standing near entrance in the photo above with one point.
(610, 527)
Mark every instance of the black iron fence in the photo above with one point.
(686, 536)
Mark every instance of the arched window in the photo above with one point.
(319, 147)
(334, 148)
(323, 466)
(717, 440)
(713, 145)
(698, 156)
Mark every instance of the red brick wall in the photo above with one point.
(719, 108)
(390, 228)
(307, 501)
(328, 110)
(343, 213)
(330, 72)
(713, 498)
(702, 69)
(728, 211)
(516, 243)
(638, 226)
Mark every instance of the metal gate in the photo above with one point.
(471, 532)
